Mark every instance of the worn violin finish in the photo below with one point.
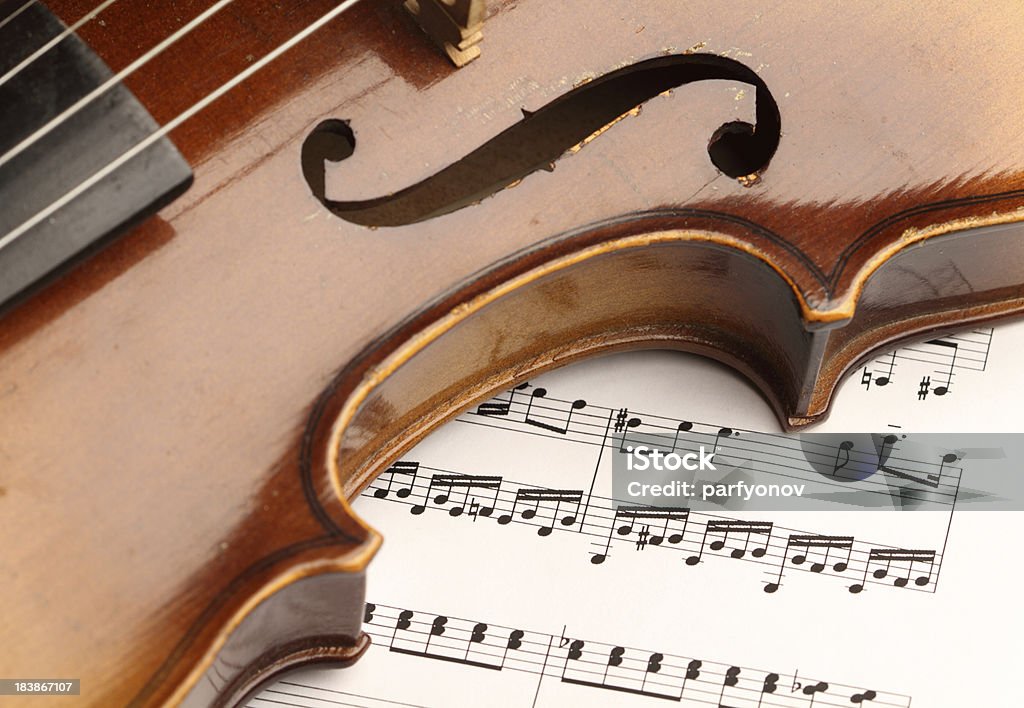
(376, 240)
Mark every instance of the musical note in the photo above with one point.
(598, 665)
(623, 424)
(368, 614)
(888, 556)
(843, 450)
(514, 643)
(693, 668)
(813, 690)
(402, 624)
(546, 496)
(888, 441)
(575, 649)
(465, 641)
(599, 558)
(722, 433)
(727, 527)
(884, 379)
(437, 627)
(666, 514)
(452, 481)
(946, 459)
(663, 527)
(616, 676)
(515, 639)
(615, 657)
(732, 675)
(815, 541)
(430, 648)
(576, 405)
(500, 407)
(803, 554)
(768, 687)
(931, 480)
(943, 390)
(684, 427)
(403, 467)
(654, 665)
(634, 513)
(964, 351)
(494, 408)
(476, 636)
(773, 454)
(629, 670)
(828, 543)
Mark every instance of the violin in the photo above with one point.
(284, 241)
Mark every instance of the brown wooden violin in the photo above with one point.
(337, 239)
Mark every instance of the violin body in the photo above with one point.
(185, 415)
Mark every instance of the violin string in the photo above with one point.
(17, 12)
(53, 42)
(114, 80)
(188, 113)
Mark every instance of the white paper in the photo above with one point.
(520, 614)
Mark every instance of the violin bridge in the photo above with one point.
(455, 25)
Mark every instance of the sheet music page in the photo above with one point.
(509, 577)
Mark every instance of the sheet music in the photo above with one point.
(510, 577)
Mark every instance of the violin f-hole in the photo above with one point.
(737, 148)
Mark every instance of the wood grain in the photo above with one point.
(184, 415)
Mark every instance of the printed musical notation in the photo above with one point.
(689, 681)
(874, 463)
(939, 359)
(693, 536)
(509, 514)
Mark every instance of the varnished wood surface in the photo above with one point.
(167, 409)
